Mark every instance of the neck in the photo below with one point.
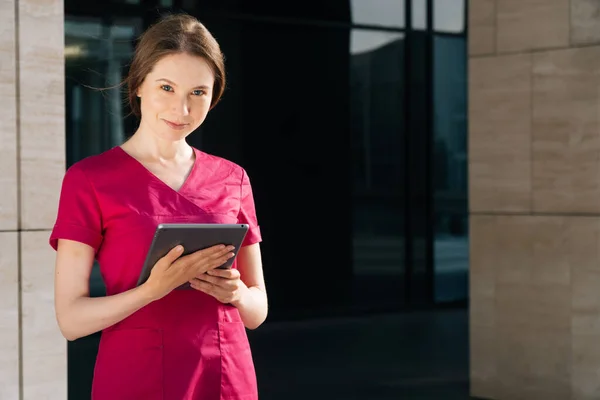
(151, 146)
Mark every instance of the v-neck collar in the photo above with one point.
(156, 178)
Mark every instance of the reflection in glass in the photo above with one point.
(449, 16)
(451, 249)
(95, 56)
(364, 41)
(377, 64)
(388, 13)
(419, 14)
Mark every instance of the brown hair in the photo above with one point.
(175, 33)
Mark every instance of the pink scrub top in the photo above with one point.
(186, 345)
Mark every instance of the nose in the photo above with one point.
(181, 106)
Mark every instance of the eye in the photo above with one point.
(167, 88)
(198, 92)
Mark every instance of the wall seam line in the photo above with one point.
(19, 195)
(531, 133)
(535, 51)
(495, 49)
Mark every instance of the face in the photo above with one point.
(175, 96)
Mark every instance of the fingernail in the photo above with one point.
(229, 248)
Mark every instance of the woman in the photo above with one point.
(160, 343)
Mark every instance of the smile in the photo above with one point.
(175, 126)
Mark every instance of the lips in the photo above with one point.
(174, 125)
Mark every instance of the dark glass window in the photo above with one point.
(333, 101)
(96, 55)
(378, 166)
(320, 114)
(384, 13)
(448, 15)
(451, 245)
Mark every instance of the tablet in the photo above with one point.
(192, 237)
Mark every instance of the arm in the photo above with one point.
(78, 314)
(244, 287)
(252, 304)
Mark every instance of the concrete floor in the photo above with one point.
(421, 355)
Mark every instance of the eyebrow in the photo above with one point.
(174, 84)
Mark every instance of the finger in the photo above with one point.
(202, 286)
(217, 262)
(174, 254)
(222, 295)
(210, 279)
(205, 254)
(217, 251)
(215, 280)
(213, 289)
(229, 273)
(226, 285)
(211, 253)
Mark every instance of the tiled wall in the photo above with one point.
(33, 353)
(534, 149)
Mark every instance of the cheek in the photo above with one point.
(159, 103)
(154, 104)
(200, 109)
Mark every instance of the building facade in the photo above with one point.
(534, 198)
(32, 160)
(398, 87)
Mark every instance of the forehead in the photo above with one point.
(184, 70)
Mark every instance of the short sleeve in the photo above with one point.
(79, 217)
(247, 214)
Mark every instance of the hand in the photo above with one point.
(172, 270)
(224, 285)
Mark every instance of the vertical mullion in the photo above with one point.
(430, 127)
(408, 202)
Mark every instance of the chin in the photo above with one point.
(171, 136)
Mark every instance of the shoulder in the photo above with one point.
(95, 166)
(220, 167)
